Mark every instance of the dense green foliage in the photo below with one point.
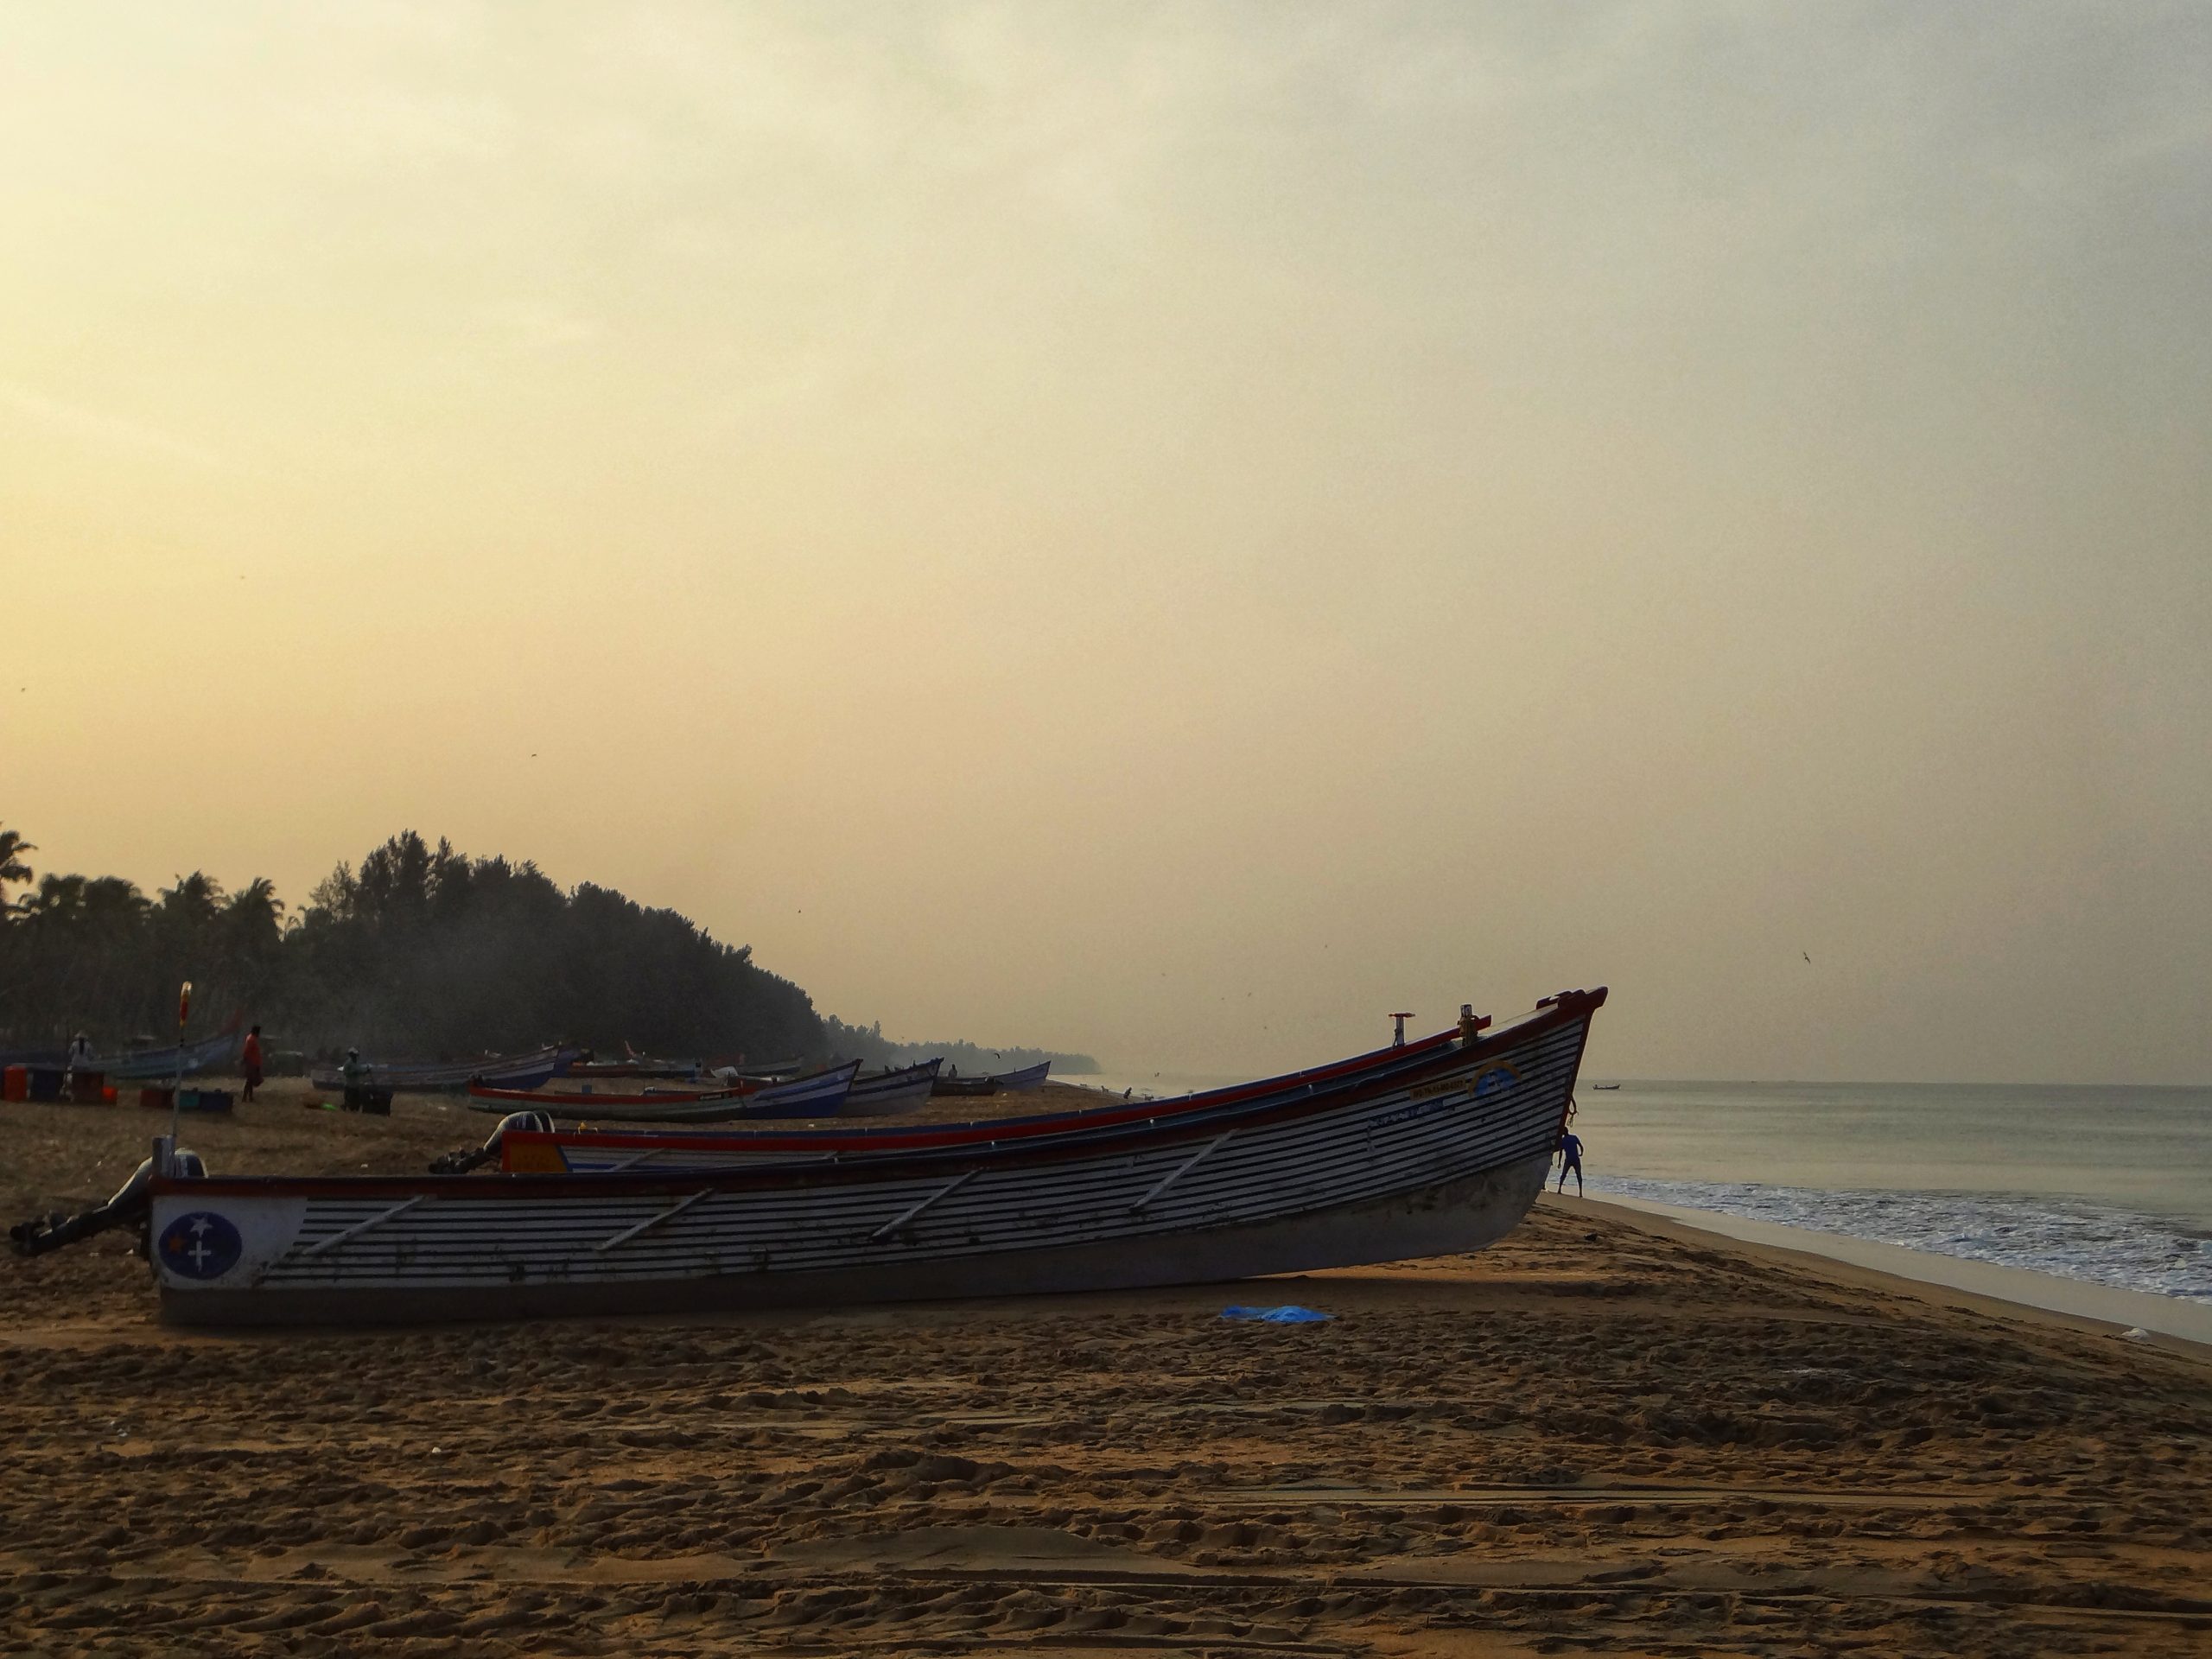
(419, 952)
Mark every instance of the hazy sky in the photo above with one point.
(1166, 530)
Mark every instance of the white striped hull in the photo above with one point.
(1449, 1163)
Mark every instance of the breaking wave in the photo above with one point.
(2069, 1238)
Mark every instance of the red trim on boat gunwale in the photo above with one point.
(927, 1137)
(1567, 1008)
(655, 1096)
(677, 1096)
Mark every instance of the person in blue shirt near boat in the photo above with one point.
(1570, 1157)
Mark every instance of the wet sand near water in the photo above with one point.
(1597, 1437)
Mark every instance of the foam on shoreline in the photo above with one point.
(2124, 1309)
(2067, 1237)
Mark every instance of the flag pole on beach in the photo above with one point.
(176, 1088)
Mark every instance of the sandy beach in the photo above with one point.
(1608, 1434)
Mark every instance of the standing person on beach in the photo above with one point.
(80, 1059)
(249, 1061)
(1570, 1157)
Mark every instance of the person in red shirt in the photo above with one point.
(249, 1061)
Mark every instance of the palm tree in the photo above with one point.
(251, 926)
(72, 936)
(193, 903)
(12, 868)
(58, 901)
(98, 964)
(256, 906)
(111, 902)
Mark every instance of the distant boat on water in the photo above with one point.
(1605, 1085)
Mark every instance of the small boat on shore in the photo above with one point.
(1411, 1151)
(151, 1063)
(1028, 1077)
(822, 1094)
(964, 1088)
(739, 1070)
(524, 1146)
(638, 1065)
(451, 1076)
(906, 1089)
(218, 1053)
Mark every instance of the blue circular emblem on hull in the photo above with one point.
(201, 1245)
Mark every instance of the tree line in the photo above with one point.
(418, 951)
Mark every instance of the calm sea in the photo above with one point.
(2111, 1185)
(2108, 1185)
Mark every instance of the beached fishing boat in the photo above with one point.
(638, 1065)
(218, 1053)
(538, 1148)
(904, 1088)
(525, 1145)
(1029, 1076)
(741, 1070)
(965, 1088)
(822, 1094)
(1400, 1154)
(449, 1076)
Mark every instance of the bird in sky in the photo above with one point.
(1807, 959)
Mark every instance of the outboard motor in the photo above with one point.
(126, 1209)
(460, 1163)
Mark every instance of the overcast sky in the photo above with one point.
(1169, 531)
